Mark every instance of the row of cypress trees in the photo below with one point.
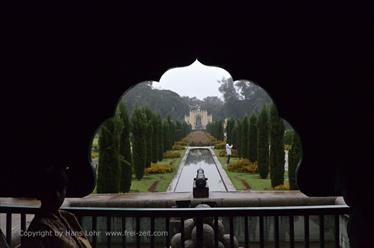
(259, 138)
(115, 159)
(216, 129)
(128, 145)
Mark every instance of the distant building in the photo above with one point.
(198, 119)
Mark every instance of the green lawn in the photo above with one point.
(254, 181)
(164, 180)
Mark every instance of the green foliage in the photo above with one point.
(160, 138)
(242, 165)
(172, 154)
(148, 136)
(109, 164)
(159, 168)
(138, 123)
(263, 143)
(294, 158)
(171, 134)
(220, 145)
(232, 138)
(238, 132)
(276, 148)
(177, 147)
(159, 101)
(125, 150)
(281, 187)
(252, 146)
(245, 139)
(288, 137)
(155, 139)
(215, 128)
(230, 130)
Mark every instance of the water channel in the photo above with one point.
(199, 158)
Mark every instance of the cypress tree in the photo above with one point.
(233, 139)
(108, 180)
(263, 143)
(239, 138)
(252, 142)
(160, 134)
(148, 134)
(125, 150)
(165, 134)
(230, 130)
(138, 125)
(155, 139)
(171, 136)
(220, 130)
(244, 142)
(276, 148)
(294, 158)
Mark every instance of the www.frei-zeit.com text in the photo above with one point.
(43, 234)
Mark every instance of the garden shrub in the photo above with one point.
(220, 145)
(287, 147)
(281, 187)
(243, 165)
(181, 143)
(159, 168)
(177, 147)
(252, 168)
(171, 154)
(94, 155)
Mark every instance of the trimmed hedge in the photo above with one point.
(160, 168)
(177, 147)
(181, 143)
(220, 145)
(281, 187)
(172, 154)
(243, 165)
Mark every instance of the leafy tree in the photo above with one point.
(125, 150)
(109, 163)
(245, 138)
(253, 138)
(231, 97)
(263, 143)
(139, 126)
(252, 96)
(158, 100)
(294, 158)
(276, 148)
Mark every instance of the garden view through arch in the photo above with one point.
(162, 132)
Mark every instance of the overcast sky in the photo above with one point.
(195, 80)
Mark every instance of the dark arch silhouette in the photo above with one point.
(60, 92)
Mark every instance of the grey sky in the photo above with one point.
(195, 80)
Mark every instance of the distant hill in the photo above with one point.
(165, 102)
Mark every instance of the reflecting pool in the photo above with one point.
(199, 158)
